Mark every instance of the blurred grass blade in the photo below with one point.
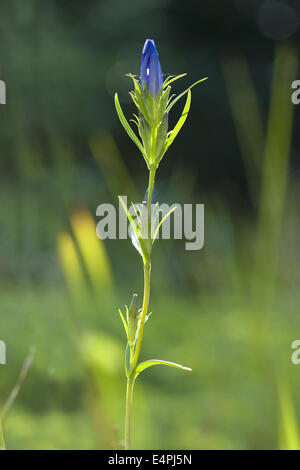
(275, 171)
(2, 442)
(103, 357)
(92, 250)
(70, 264)
(289, 433)
(247, 117)
(153, 362)
(112, 166)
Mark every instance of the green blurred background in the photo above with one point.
(229, 311)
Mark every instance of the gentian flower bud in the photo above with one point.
(151, 74)
(133, 309)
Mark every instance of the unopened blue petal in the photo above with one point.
(155, 81)
(151, 73)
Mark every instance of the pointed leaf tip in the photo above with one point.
(124, 322)
(153, 362)
(184, 92)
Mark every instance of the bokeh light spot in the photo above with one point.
(277, 20)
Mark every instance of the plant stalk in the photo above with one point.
(147, 271)
(129, 393)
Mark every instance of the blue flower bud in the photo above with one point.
(151, 74)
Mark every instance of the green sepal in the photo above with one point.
(138, 96)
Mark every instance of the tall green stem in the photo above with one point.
(152, 172)
(147, 271)
(129, 393)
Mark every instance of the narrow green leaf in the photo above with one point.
(183, 93)
(172, 79)
(124, 323)
(133, 224)
(181, 121)
(126, 125)
(161, 222)
(130, 218)
(153, 362)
